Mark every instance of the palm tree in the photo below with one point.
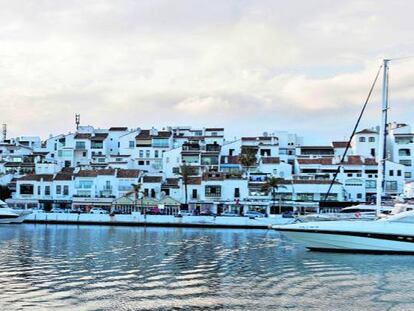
(135, 190)
(185, 172)
(271, 186)
(247, 158)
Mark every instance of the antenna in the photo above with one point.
(77, 120)
(4, 132)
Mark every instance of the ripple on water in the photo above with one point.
(109, 268)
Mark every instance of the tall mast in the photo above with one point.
(382, 137)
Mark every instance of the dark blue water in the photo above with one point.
(57, 267)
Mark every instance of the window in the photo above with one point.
(407, 174)
(131, 144)
(141, 162)
(362, 139)
(80, 145)
(141, 153)
(371, 139)
(399, 173)
(156, 154)
(237, 192)
(359, 195)
(152, 193)
(84, 154)
(58, 189)
(213, 191)
(147, 153)
(391, 185)
(194, 194)
(370, 184)
(26, 189)
(47, 190)
(373, 152)
(405, 162)
(147, 162)
(404, 152)
(391, 173)
(304, 197)
(66, 190)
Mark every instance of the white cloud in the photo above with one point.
(246, 65)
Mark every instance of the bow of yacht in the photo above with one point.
(394, 234)
(11, 216)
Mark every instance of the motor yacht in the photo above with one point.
(393, 234)
(11, 216)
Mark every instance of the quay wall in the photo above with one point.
(137, 219)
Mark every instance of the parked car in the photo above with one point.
(58, 210)
(254, 214)
(98, 210)
(230, 214)
(185, 213)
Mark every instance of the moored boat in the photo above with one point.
(11, 216)
(394, 234)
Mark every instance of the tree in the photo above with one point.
(185, 173)
(247, 158)
(271, 186)
(135, 190)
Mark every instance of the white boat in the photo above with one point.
(394, 234)
(11, 216)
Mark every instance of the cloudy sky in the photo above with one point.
(251, 66)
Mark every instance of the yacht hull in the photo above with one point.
(351, 241)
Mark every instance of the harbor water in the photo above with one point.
(69, 267)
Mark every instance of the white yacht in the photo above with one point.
(394, 234)
(11, 216)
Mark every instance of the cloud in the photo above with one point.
(246, 65)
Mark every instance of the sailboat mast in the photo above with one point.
(381, 150)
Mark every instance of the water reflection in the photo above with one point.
(123, 268)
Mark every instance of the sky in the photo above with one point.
(249, 66)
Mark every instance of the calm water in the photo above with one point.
(121, 268)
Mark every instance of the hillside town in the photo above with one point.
(197, 170)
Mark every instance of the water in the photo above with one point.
(123, 268)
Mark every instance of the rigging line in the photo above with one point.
(352, 134)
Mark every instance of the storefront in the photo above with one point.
(86, 204)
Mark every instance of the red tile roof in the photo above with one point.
(63, 176)
(99, 136)
(339, 144)
(320, 161)
(270, 160)
(118, 129)
(307, 182)
(37, 177)
(146, 134)
(194, 180)
(83, 136)
(152, 179)
(127, 173)
(367, 131)
(94, 173)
